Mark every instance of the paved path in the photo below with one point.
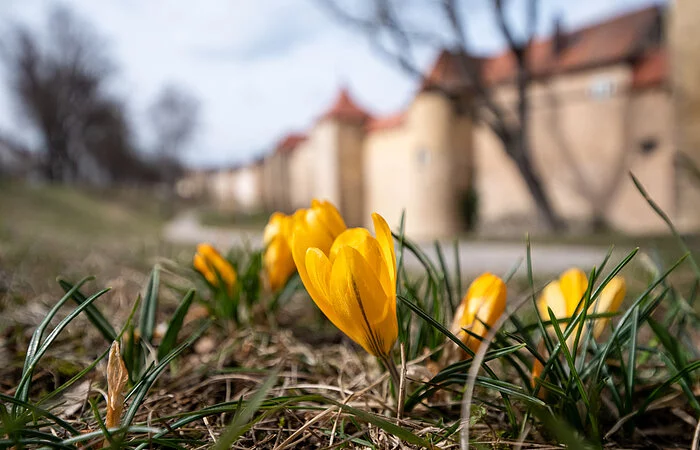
(475, 256)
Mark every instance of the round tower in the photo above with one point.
(441, 125)
(684, 35)
(337, 167)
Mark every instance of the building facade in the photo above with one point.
(600, 106)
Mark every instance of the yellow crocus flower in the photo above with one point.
(609, 300)
(278, 260)
(315, 227)
(564, 297)
(213, 266)
(353, 281)
(484, 303)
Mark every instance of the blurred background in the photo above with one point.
(131, 130)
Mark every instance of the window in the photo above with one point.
(602, 88)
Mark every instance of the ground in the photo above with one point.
(328, 391)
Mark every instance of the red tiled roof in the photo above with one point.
(616, 40)
(290, 142)
(651, 70)
(448, 72)
(345, 108)
(386, 122)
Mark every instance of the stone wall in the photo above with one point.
(587, 131)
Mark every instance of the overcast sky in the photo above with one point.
(262, 68)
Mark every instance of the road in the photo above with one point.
(475, 257)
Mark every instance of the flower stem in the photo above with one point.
(395, 377)
(393, 370)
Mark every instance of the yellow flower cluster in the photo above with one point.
(214, 267)
(565, 298)
(351, 276)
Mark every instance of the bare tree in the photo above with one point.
(174, 115)
(59, 86)
(597, 191)
(388, 34)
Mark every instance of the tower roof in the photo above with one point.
(288, 143)
(448, 72)
(345, 108)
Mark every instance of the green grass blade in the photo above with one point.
(574, 373)
(100, 423)
(458, 268)
(509, 389)
(445, 276)
(430, 268)
(92, 312)
(32, 443)
(564, 432)
(440, 327)
(98, 434)
(139, 391)
(668, 222)
(668, 342)
(453, 374)
(40, 412)
(603, 354)
(147, 319)
(241, 422)
(665, 385)
(381, 422)
(553, 364)
(401, 239)
(175, 325)
(35, 340)
(75, 378)
(632, 362)
(677, 359)
(25, 381)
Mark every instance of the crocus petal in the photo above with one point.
(368, 247)
(329, 216)
(573, 284)
(375, 262)
(552, 297)
(379, 305)
(355, 286)
(304, 238)
(485, 302)
(386, 243)
(273, 228)
(609, 300)
(349, 317)
(225, 271)
(319, 270)
(537, 369)
(278, 262)
(202, 267)
(352, 237)
(214, 267)
(334, 306)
